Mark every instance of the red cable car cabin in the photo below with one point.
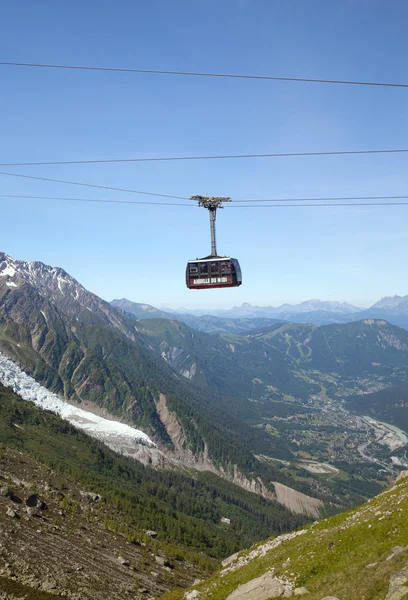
(213, 272)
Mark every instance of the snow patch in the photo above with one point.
(9, 270)
(60, 281)
(11, 284)
(118, 436)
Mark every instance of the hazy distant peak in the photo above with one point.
(320, 305)
(139, 310)
(390, 301)
(307, 306)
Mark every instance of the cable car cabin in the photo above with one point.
(213, 272)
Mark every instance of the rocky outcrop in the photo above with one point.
(238, 560)
(265, 587)
(398, 585)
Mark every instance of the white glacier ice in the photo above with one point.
(118, 436)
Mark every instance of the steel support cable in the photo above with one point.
(228, 206)
(92, 185)
(323, 199)
(205, 157)
(205, 74)
(170, 196)
(321, 205)
(103, 201)
(97, 200)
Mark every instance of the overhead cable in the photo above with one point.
(250, 202)
(97, 200)
(203, 157)
(321, 205)
(323, 199)
(103, 201)
(205, 74)
(92, 185)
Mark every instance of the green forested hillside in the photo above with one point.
(281, 360)
(349, 348)
(239, 366)
(184, 508)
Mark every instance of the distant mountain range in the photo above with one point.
(249, 310)
(247, 317)
(206, 323)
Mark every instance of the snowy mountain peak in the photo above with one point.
(44, 278)
(58, 287)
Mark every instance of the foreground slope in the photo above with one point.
(352, 556)
(96, 507)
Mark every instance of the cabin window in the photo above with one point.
(193, 268)
(225, 266)
(204, 268)
(214, 267)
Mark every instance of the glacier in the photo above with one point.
(118, 436)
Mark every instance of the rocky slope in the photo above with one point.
(60, 542)
(359, 555)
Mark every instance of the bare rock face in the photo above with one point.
(192, 595)
(32, 511)
(5, 492)
(152, 534)
(398, 585)
(263, 588)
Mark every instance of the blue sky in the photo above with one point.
(286, 254)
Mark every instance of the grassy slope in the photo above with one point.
(332, 557)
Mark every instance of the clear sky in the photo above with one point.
(139, 252)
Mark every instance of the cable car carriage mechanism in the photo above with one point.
(213, 271)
